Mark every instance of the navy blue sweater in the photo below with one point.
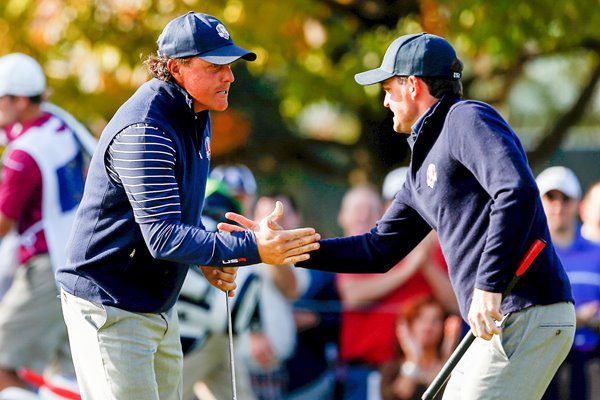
(469, 180)
(138, 227)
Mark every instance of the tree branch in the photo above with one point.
(555, 135)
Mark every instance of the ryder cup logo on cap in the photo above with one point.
(222, 31)
(21, 75)
(421, 54)
(201, 35)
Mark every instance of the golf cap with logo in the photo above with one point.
(202, 35)
(421, 54)
(561, 179)
(21, 75)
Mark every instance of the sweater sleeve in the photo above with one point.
(141, 159)
(486, 145)
(400, 229)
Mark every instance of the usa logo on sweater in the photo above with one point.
(431, 175)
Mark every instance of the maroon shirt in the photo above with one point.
(21, 192)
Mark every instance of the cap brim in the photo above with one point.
(373, 76)
(227, 55)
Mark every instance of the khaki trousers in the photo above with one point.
(520, 362)
(122, 355)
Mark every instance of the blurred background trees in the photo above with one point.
(296, 116)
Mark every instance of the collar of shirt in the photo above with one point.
(416, 128)
(16, 130)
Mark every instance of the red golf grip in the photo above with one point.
(37, 380)
(441, 378)
(535, 249)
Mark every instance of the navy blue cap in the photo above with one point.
(202, 35)
(421, 54)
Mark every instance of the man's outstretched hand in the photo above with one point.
(275, 245)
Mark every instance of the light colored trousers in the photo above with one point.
(32, 330)
(520, 362)
(122, 355)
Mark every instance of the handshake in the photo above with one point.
(276, 245)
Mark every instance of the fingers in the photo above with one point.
(225, 227)
(286, 247)
(274, 225)
(229, 270)
(484, 326)
(298, 252)
(295, 259)
(240, 219)
(300, 233)
(301, 251)
(484, 312)
(226, 277)
(277, 212)
(226, 286)
(223, 278)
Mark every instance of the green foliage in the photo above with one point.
(309, 50)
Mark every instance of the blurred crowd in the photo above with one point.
(298, 333)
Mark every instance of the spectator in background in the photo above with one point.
(392, 183)
(371, 302)
(310, 369)
(270, 342)
(241, 181)
(426, 336)
(41, 187)
(561, 193)
(589, 211)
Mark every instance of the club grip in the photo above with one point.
(535, 249)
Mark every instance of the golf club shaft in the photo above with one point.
(231, 357)
(463, 346)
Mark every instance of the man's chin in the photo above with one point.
(220, 107)
(400, 130)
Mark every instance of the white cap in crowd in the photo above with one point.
(393, 182)
(559, 178)
(21, 75)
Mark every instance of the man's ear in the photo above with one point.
(416, 86)
(174, 68)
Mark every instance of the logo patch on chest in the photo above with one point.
(431, 175)
(207, 147)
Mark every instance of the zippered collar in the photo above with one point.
(200, 118)
(176, 89)
(416, 128)
(434, 115)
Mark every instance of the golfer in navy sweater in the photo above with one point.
(470, 181)
(138, 227)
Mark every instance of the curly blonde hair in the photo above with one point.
(157, 66)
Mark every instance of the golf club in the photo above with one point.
(231, 358)
(441, 378)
